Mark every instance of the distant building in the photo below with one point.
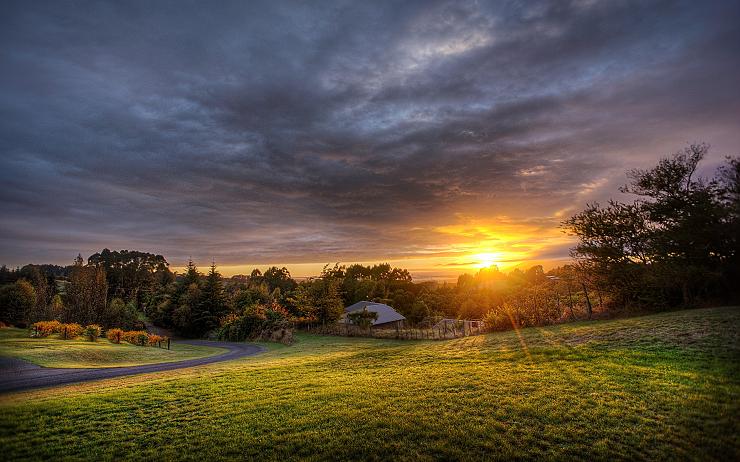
(387, 316)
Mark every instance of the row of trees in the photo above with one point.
(84, 294)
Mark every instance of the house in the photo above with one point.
(387, 316)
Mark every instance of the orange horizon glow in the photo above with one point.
(464, 247)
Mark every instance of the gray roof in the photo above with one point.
(385, 312)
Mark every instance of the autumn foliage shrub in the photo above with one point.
(136, 337)
(44, 328)
(70, 331)
(114, 335)
(155, 339)
(92, 332)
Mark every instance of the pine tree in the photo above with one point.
(213, 303)
(192, 276)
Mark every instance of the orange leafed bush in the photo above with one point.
(44, 328)
(70, 331)
(136, 337)
(115, 335)
(154, 339)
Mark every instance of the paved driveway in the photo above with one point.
(16, 374)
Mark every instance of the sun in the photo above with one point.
(487, 259)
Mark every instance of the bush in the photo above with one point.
(45, 328)
(92, 332)
(257, 322)
(70, 331)
(502, 317)
(114, 335)
(154, 339)
(136, 337)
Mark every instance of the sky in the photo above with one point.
(437, 136)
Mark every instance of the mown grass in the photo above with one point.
(54, 352)
(662, 387)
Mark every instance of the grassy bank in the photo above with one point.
(54, 352)
(660, 387)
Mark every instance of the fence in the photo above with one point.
(443, 330)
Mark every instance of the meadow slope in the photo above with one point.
(659, 387)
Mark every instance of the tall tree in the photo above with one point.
(41, 310)
(132, 275)
(86, 293)
(212, 304)
(671, 245)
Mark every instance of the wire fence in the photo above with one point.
(443, 330)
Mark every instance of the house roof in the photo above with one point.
(385, 312)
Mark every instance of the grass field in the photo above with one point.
(662, 387)
(54, 352)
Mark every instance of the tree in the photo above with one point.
(328, 302)
(57, 307)
(132, 275)
(212, 304)
(319, 299)
(182, 315)
(279, 278)
(17, 300)
(673, 245)
(120, 314)
(86, 293)
(40, 311)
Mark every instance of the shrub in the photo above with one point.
(70, 331)
(502, 317)
(257, 321)
(114, 335)
(92, 332)
(154, 339)
(136, 337)
(44, 328)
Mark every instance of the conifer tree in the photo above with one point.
(212, 305)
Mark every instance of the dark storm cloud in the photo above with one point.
(256, 132)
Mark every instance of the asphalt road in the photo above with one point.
(16, 374)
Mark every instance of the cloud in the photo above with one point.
(266, 132)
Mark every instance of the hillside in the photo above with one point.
(657, 387)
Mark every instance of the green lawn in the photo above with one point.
(663, 387)
(54, 352)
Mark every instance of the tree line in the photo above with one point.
(675, 244)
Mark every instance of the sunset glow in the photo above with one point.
(487, 260)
